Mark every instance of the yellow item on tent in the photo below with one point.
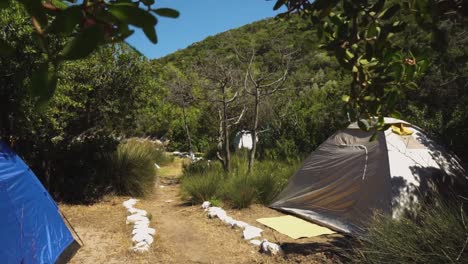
(401, 130)
(294, 227)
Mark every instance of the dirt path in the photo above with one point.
(184, 234)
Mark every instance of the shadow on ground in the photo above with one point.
(336, 248)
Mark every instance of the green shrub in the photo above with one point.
(202, 187)
(205, 180)
(270, 178)
(438, 235)
(157, 153)
(132, 169)
(200, 167)
(239, 191)
(79, 167)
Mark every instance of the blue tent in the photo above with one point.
(31, 227)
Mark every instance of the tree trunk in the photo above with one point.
(254, 130)
(187, 131)
(227, 152)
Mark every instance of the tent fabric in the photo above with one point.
(31, 227)
(348, 178)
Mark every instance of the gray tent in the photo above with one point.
(348, 178)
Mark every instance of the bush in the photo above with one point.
(205, 180)
(79, 165)
(131, 168)
(437, 235)
(202, 187)
(270, 178)
(239, 191)
(200, 167)
(157, 153)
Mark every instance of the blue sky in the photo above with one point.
(198, 20)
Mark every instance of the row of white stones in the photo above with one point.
(142, 233)
(249, 232)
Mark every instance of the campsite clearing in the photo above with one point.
(184, 234)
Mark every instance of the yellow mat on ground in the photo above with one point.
(294, 227)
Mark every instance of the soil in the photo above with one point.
(185, 234)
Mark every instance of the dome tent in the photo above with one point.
(31, 227)
(348, 177)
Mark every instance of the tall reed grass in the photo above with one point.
(203, 181)
(438, 234)
(131, 168)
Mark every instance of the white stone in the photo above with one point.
(252, 232)
(139, 237)
(255, 242)
(136, 218)
(240, 224)
(270, 248)
(130, 203)
(144, 229)
(206, 205)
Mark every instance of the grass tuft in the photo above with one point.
(131, 168)
(439, 234)
(205, 180)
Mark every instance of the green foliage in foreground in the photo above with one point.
(203, 181)
(438, 235)
(131, 168)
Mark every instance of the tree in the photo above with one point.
(223, 89)
(181, 94)
(360, 34)
(261, 81)
(84, 26)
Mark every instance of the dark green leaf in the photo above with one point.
(336, 20)
(167, 12)
(35, 9)
(363, 125)
(148, 2)
(4, 4)
(378, 6)
(279, 4)
(369, 51)
(396, 115)
(5, 49)
(390, 12)
(83, 44)
(397, 26)
(131, 14)
(66, 21)
(373, 137)
(372, 31)
(381, 121)
(43, 83)
(392, 99)
(150, 33)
